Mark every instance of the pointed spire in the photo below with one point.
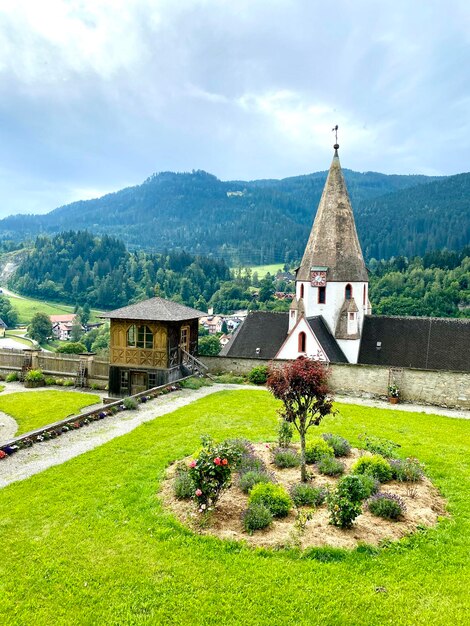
(333, 241)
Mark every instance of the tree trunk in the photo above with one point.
(303, 462)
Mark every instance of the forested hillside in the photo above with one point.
(77, 268)
(264, 221)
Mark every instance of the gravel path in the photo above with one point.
(33, 460)
(42, 455)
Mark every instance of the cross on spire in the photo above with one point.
(335, 131)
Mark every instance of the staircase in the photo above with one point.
(191, 366)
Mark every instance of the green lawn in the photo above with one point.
(27, 307)
(262, 270)
(33, 409)
(87, 542)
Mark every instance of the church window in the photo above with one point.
(302, 342)
(364, 296)
(321, 295)
(351, 317)
(301, 291)
(292, 313)
(348, 292)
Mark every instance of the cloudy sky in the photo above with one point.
(96, 95)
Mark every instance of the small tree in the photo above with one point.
(302, 385)
(77, 330)
(209, 346)
(40, 327)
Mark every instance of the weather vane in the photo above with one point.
(335, 130)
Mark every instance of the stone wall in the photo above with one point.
(434, 387)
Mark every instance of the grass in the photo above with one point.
(87, 542)
(28, 307)
(262, 270)
(33, 409)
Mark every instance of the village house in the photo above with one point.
(62, 325)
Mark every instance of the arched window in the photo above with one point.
(302, 342)
(139, 337)
(131, 335)
(301, 291)
(364, 296)
(348, 292)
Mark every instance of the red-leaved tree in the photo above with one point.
(302, 385)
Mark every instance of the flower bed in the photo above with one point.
(306, 526)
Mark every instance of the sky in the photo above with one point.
(96, 95)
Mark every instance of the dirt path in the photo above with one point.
(33, 460)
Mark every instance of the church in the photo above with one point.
(330, 318)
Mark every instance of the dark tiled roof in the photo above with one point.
(156, 309)
(261, 329)
(326, 339)
(419, 342)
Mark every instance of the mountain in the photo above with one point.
(263, 221)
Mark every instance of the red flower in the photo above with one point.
(198, 492)
(2, 454)
(224, 462)
(192, 464)
(217, 460)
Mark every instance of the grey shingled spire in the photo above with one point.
(333, 241)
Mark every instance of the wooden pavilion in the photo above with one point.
(152, 343)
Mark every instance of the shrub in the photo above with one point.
(210, 474)
(375, 466)
(249, 462)
(72, 347)
(248, 480)
(258, 375)
(330, 466)
(34, 376)
(183, 487)
(344, 504)
(286, 457)
(408, 470)
(387, 505)
(380, 445)
(304, 494)
(256, 516)
(340, 445)
(285, 432)
(49, 380)
(130, 404)
(11, 377)
(316, 448)
(236, 449)
(370, 485)
(274, 497)
(68, 382)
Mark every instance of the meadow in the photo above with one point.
(88, 542)
(28, 307)
(33, 409)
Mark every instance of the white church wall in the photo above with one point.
(350, 348)
(335, 292)
(290, 349)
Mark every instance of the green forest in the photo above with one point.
(265, 221)
(79, 269)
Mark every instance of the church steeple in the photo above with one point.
(333, 241)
